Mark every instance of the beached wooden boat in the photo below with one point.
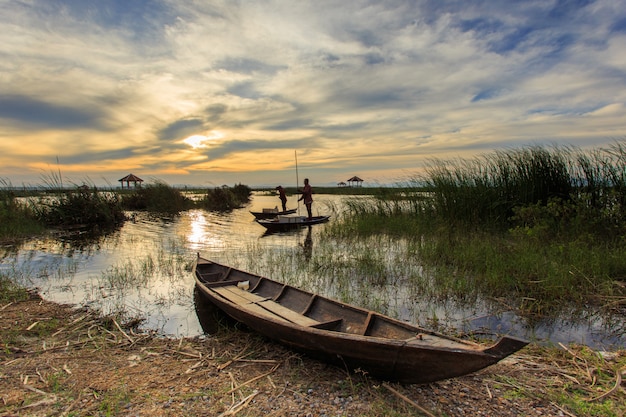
(386, 348)
(271, 213)
(289, 222)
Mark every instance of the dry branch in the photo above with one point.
(618, 383)
(408, 400)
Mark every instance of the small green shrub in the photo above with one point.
(226, 198)
(83, 206)
(16, 220)
(10, 291)
(158, 198)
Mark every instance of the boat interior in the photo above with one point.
(269, 298)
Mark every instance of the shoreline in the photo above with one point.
(62, 360)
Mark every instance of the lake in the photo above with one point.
(143, 270)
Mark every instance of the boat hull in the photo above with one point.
(262, 215)
(279, 224)
(322, 332)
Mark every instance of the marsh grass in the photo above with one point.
(82, 206)
(16, 220)
(536, 223)
(226, 198)
(10, 290)
(487, 191)
(157, 197)
(375, 272)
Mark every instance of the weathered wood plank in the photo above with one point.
(290, 315)
(237, 295)
(231, 296)
(247, 299)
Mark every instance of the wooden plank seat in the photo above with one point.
(257, 303)
(288, 314)
(238, 295)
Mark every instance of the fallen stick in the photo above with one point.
(191, 355)
(239, 406)
(229, 362)
(618, 383)
(408, 400)
(123, 332)
(253, 379)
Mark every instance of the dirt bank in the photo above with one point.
(57, 360)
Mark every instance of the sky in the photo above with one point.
(210, 93)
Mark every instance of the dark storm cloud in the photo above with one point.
(89, 157)
(181, 129)
(290, 124)
(245, 90)
(214, 112)
(33, 113)
(220, 150)
(486, 94)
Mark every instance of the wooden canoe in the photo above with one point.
(281, 223)
(271, 213)
(384, 347)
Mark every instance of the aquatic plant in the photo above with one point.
(536, 223)
(16, 220)
(226, 198)
(157, 197)
(82, 206)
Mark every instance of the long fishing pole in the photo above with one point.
(295, 152)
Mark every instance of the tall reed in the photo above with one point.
(16, 220)
(82, 206)
(226, 198)
(157, 197)
(545, 223)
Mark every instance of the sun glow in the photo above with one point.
(200, 141)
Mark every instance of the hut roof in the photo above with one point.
(355, 179)
(131, 178)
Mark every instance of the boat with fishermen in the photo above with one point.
(270, 213)
(288, 222)
(386, 348)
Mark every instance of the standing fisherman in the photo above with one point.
(307, 196)
(282, 196)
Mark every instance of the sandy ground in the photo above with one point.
(56, 360)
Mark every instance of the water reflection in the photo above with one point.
(307, 246)
(143, 269)
(210, 317)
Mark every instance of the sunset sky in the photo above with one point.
(205, 92)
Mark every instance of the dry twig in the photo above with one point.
(618, 383)
(239, 406)
(253, 379)
(408, 400)
(123, 332)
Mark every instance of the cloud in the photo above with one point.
(37, 114)
(180, 129)
(353, 86)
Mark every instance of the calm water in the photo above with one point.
(143, 269)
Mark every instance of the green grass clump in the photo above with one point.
(539, 224)
(10, 291)
(226, 198)
(83, 206)
(16, 220)
(158, 198)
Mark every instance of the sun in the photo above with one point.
(200, 141)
